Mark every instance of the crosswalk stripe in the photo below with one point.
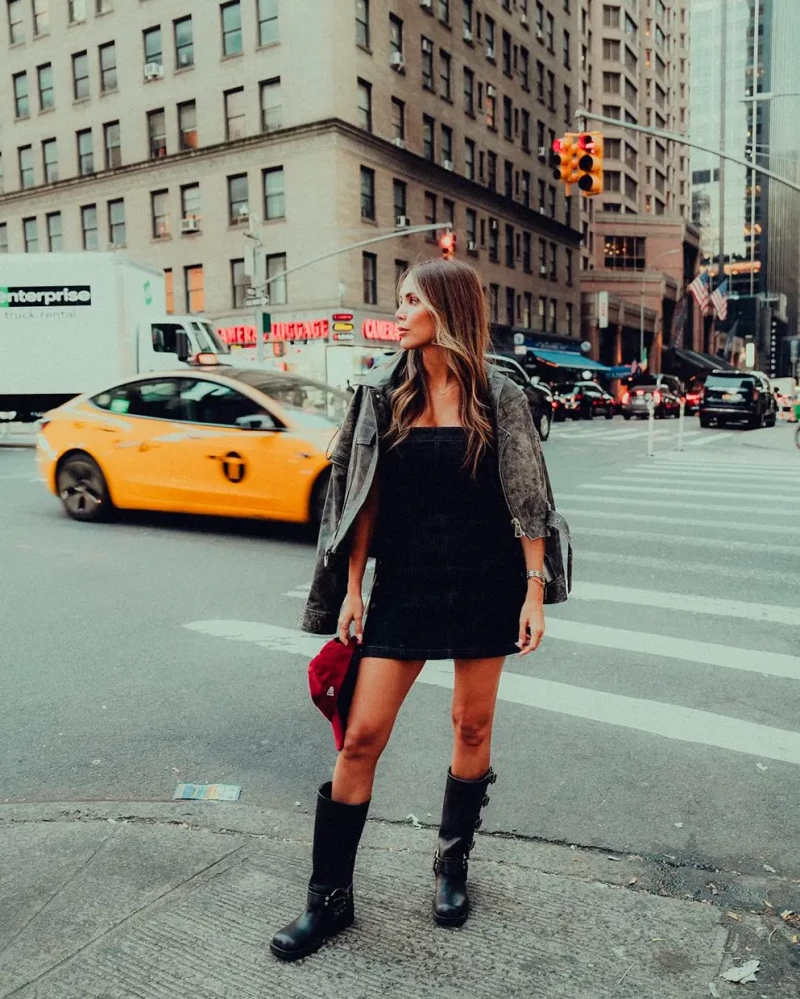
(708, 440)
(691, 475)
(727, 544)
(771, 578)
(653, 518)
(668, 721)
(671, 491)
(689, 603)
(682, 505)
(750, 464)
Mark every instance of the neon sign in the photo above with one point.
(379, 329)
(312, 329)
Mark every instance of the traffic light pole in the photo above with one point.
(660, 133)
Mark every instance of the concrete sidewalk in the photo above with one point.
(179, 900)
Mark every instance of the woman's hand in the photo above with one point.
(352, 612)
(531, 624)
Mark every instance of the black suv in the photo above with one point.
(540, 398)
(738, 397)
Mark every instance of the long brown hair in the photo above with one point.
(453, 294)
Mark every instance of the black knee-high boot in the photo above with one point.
(329, 904)
(463, 800)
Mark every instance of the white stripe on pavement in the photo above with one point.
(730, 460)
(691, 475)
(708, 440)
(771, 578)
(681, 505)
(689, 603)
(669, 721)
(667, 491)
(653, 518)
(731, 545)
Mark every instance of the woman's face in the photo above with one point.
(415, 324)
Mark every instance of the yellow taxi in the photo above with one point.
(229, 441)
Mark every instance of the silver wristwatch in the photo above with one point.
(535, 574)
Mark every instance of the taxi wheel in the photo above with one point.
(318, 495)
(82, 488)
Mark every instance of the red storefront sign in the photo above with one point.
(379, 329)
(310, 329)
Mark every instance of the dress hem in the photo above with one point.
(405, 655)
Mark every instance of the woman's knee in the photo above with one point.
(363, 743)
(472, 728)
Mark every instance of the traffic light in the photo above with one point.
(447, 243)
(590, 163)
(565, 158)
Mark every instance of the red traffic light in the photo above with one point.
(447, 244)
(586, 142)
(558, 145)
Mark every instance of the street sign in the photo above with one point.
(255, 302)
(602, 309)
(266, 322)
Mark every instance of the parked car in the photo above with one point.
(694, 393)
(540, 398)
(664, 394)
(582, 400)
(738, 397)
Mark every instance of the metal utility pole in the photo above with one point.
(753, 136)
(723, 82)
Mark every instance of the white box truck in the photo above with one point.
(73, 322)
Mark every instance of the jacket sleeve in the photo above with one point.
(526, 465)
(329, 585)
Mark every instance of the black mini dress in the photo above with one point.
(450, 573)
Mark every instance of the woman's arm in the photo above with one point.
(531, 618)
(363, 529)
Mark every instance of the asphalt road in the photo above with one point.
(661, 714)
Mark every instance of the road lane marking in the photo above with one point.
(689, 603)
(652, 518)
(669, 721)
(708, 440)
(680, 504)
(726, 544)
(741, 574)
(649, 473)
(667, 491)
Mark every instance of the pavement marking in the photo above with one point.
(681, 504)
(708, 440)
(681, 491)
(772, 578)
(20, 476)
(690, 603)
(727, 544)
(689, 475)
(670, 721)
(652, 518)
(727, 461)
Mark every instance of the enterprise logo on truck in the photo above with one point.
(42, 297)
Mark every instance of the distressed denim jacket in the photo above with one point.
(354, 464)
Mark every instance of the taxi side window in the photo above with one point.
(212, 403)
(159, 399)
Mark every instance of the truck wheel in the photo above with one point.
(543, 426)
(82, 488)
(318, 496)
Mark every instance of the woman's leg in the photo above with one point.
(474, 701)
(381, 688)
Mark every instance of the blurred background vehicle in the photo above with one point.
(738, 397)
(664, 390)
(539, 394)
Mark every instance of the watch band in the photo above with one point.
(535, 574)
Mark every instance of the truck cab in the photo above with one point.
(174, 341)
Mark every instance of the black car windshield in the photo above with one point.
(729, 382)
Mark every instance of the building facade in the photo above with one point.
(175, 131)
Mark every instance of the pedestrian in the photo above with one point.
(437, 471)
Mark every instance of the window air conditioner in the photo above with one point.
(397, 62)
(402, 221)
(190, 224)
(467, 34)
(493, 224)
(447, 164)
(427, 4)
(542, 270)
(400, 143)
(542, 153)
(472, 246)
(153, 71)
(540, 34)
(489, 52)
(490, 91)
(523, 20)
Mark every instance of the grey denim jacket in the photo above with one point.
(354, 464)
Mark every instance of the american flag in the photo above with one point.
(719, 299)
(700, 291)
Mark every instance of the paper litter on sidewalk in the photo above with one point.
(208, 792)
(746, 973)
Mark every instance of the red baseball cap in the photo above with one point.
(332, 677)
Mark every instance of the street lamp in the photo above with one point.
(645, 272)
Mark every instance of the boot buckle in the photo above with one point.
(493, 778)
(478, 822)
(337, 900)
(485, 801)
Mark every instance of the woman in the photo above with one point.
(438, 472)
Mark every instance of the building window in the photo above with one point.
(153, 49)
(30, 235)
(551, 90)
(398, 119)
(467, 6)
(85, 152)
(526, 252)
(184, 42)
(26, 177)
(472, 230)
(428, 149)
(400, 192)
(553, 262)
(50, 158)
(238, 283)
(494, 302)
(369, 271)
(3, 237)
(492, 177)
(624, 253)
(610, 16)
(566, 49)
(445, 75)
(231, 29)
(21, 103)
(277, 290)
(55, 240)
(116, 222)
(400, 267)
(469, 92)
(395, 35)
(447, 147)
(108, 67)
(469, 159)
(494, 237)
(16, 24)
(103, 7)
(509, 246)
(551, 194)
(570, 311)
(510, 310)
(271, 106)
(234, 114)
(160, 214)
(553, 314)
(506, 43)
(268, 22)
(569, 267)
(526, 188)
(157, 133)
(169, 287)
(449, 211)
(508, 178)
(430, 215)
(491, 108)
(508, 119)
(365, 105)
(190, 202)
(238, 205)
(427, 63)
(444, 11)
(187, 125)
(362, 23)
(47, 100)
(490, 37)
(76, 11)
(274, 194)
(89, 227)
(567, 105)
(527, 310)
(111, 143)
(195, 293)
(525, 131)
(367, 194)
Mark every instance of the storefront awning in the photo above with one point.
(567, 359)
(699, 361)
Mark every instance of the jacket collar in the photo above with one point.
(383, 374)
